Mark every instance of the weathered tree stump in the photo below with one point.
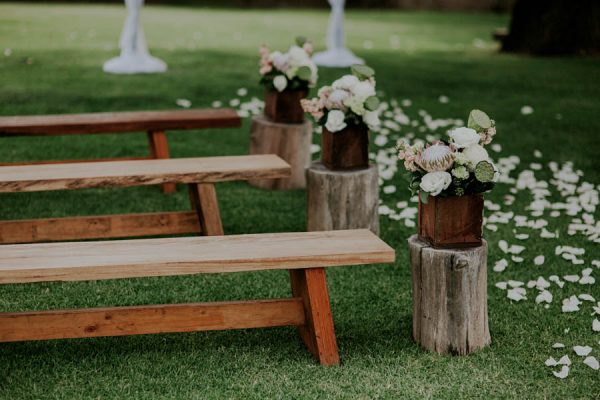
(342, 199)
(291, 142)
(450, 314)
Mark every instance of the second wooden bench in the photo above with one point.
(200, 174)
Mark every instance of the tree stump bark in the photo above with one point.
(342, 199)
(291, 142)
(450, 314)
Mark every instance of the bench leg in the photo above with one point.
(159, 149)
(318, 334)
(203, 197)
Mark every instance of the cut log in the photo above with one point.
(290, 142)
(342, 199)
(450, 314)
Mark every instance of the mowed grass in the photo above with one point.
(55, 67)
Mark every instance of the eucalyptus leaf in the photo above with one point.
(362, 72)
(372, 103)
(304, 73)
(479, 120)
(424, 197)
(300, 40)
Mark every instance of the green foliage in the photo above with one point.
(304, 73)
(484, 172)
(423, 196)
(372, 103)
(362, 72)
(479, 120)
(301, 40)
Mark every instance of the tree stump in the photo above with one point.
(450, 314)
(291, 142)
(342, 199)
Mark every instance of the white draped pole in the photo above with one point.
(337, 55)
(134, 58)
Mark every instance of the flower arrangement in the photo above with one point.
(456, 167)
(293, 70)
(350, 100)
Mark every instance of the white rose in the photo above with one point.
(336, 99)
(371, 118)
(280, 61)
(363, 89)
(280, 83)
(346, 82)
(335, 121)
(464, 137)
(298, 55)
(476, 153)
(434, 182)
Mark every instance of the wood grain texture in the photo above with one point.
(342, 199)
(318, 332)
(450, 314)
(291, 142)
(159, 149)
(204, 200)
(451, 222)
(113, 122)
(284, 107)
(82, 261)
(110, 159)
(30, 178)
(98, 227)
(138, 320)
(347, 149)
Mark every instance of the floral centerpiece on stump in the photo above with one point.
(287, 78)
(346, 110)
(451, 177)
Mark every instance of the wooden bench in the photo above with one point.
(200, 174)
(155, 123)
(304, 254)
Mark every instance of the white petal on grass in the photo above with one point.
(7, 52)
(539, 260)
(515, 284)
(526, 110)
(216, 104)
(185, 103)
(563, 373)
(517, 259)
(596, 325)
(242, 92)
(501, 285)
(389, 189)
(571, 278)
(592, 363)
(500, 265)
(551, 362)
(586, 297)
(516, 294)
(443, 99)
(587, 280)
(582, 350)
(544, 297)
(537, 154)
(558, 345)
(314, 148)
(571, 304)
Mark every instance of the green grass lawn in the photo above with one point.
(55, 67)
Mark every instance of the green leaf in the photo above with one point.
(362, 72)
(424, 197)
(484, 171)
(479, 120)
(300, 40)
(304, 73)
(372, 103)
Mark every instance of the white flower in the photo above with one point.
(336, 99)
(280, 61)
(464, 137)
(298, 55)
(280, 83)
(335, 121)
(434, 182)
(363, 89)
(371, 118)
(346, 82)
(356, 104)
(476, 153)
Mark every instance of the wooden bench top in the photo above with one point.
(78, 261)
(32, 178)
(111, 122)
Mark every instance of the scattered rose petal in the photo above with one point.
(539, 260)
(564, 372)
(582, 350)
(592, 363)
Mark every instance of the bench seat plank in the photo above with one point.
(31, 178)
(112, 122)
(189, 255)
